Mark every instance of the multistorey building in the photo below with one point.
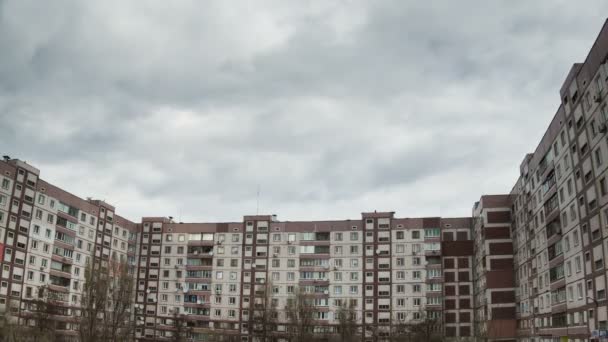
(388, 270)
(560, 213)
(48, 237)
(494, 285)
(528, 265)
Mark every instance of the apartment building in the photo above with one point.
(494, 284)
(560, 217)
(48, 236)
(388, 270)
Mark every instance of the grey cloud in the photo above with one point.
(330, 107)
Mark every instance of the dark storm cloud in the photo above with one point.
(333, 107)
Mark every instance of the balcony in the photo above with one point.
(553, 230)
(200, 251)
(60, 282)
(432, 252)
(544, 167)
(314, 237)
(549, 183)
(61, 270)
(551, 206)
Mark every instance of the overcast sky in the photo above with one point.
(184, 108)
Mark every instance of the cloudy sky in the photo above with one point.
(331, 108)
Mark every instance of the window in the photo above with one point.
(598, 157)
(432, 232)
(416, 234)
(433, 287)
(354, 236)
(5, 184)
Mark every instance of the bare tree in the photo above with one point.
(38, 318)
(10, 330)
(347, 323)
(264, 316)
(427, 329)
(117, 316)
(300, 314)
(106, 302)
(181, 331)
(35, 323)
(93, 303)
(401, 330)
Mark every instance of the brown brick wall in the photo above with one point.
(464, 290)
(503, 297)
(463, 276)
(503, 313)
(501, 328)
(501, 248)
(462, 236)
(497, 233)
(501, 264)
(457, 248)
(500, 279)
(499, 216)
(450, 317)
(450, 290)
(431, 222)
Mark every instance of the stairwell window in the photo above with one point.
(598, 157)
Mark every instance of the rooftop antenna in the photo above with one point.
(257, 204)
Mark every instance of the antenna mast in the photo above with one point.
(257, 204)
